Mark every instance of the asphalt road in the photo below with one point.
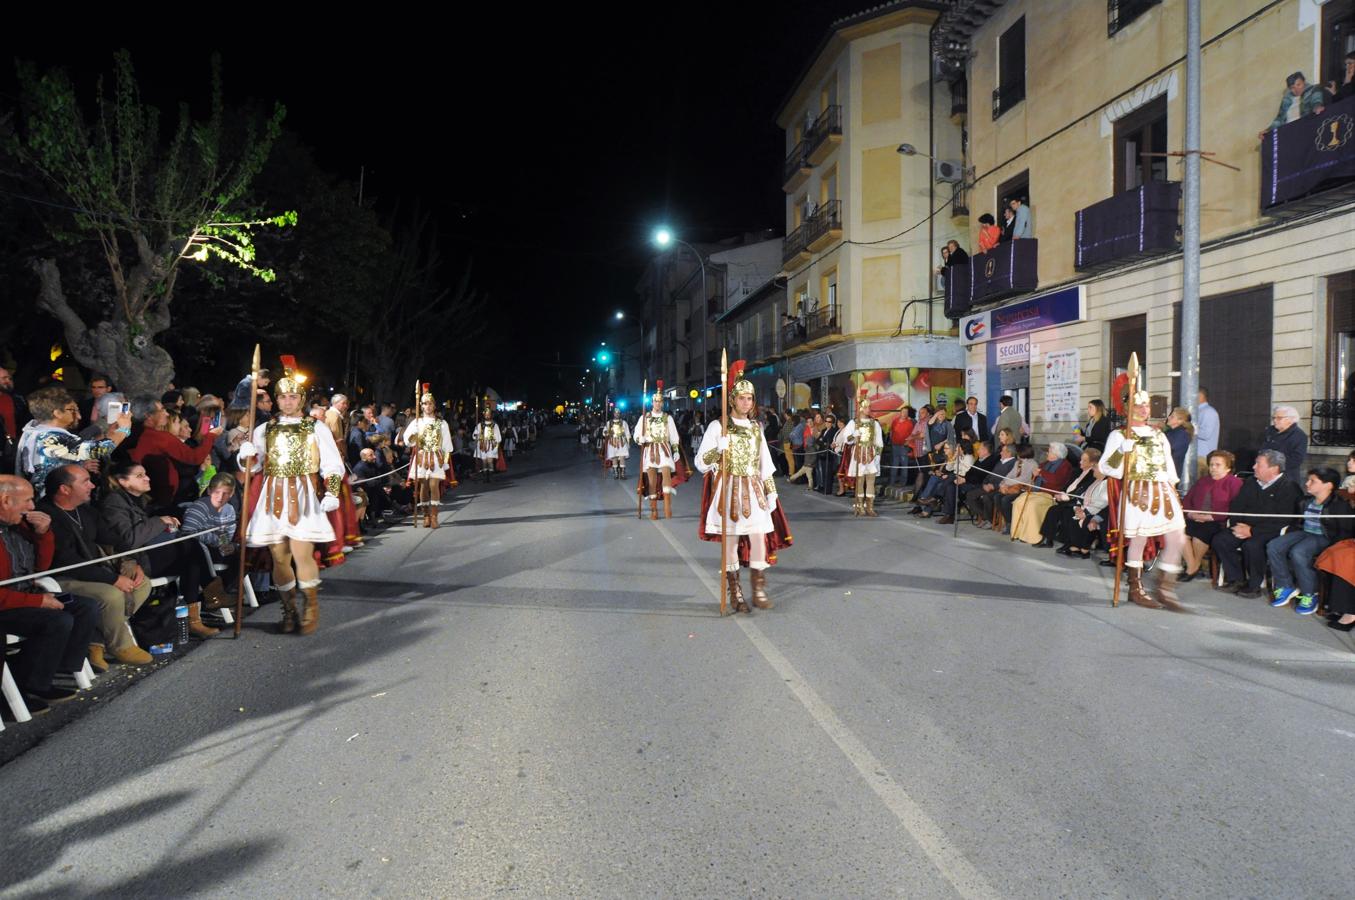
(539, 699)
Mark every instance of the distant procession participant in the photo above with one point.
(430, 463)
(657, 435)
(489, 444)
(742, 484)
(290, 517)
(861, 443)
(618, 443)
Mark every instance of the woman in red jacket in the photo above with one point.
(1214, 494)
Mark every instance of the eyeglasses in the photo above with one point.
(70, 409)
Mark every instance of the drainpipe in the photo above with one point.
(1190, 233)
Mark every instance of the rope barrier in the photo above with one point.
(189, 536)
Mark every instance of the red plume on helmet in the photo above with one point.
(427, 387)
(658, 385)
(735, 372)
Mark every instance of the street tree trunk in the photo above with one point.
(123, 350)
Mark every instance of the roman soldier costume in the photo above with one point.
(618, 444)
(739, 497)
(302, 476)
(657, 435)
(861, 443)
(430, 458)
(488, 441)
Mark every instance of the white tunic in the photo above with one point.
(658, 440)
(861, 443)
(312, 524)
(618, 439)
(1140, 522)
(750, 491)
(431, 450)
(487, 438)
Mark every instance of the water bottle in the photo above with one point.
(181, 615)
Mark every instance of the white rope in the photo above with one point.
(382, 475)
(189, 536)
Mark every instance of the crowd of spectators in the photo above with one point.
(107, 474)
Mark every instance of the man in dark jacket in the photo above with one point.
(970, 419)
(75, 527)
(1247, 534)
(55, 634)
(1285, 435)
(982, 499)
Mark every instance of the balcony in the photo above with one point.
(823, 322)
(795, 172)
(795, 250)
(1005, 271)
(1333, 423)
(1007, 96)
(1134, 225)
(1309, 164)
(824, 228)
(824, 135)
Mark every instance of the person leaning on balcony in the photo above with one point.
(1310, 102)
(1020, 218)
(1346, 89)
(989, 234)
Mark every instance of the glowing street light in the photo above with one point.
(620, 315)
(663, 237)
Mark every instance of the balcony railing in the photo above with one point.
(1007, 96)
(796, 169)
(1121, 12)
(1005, 271)
(823, 322)
(1333, 423)
(1134, 225)
(1309, 164)
(824, 135)
(824, 228)
(795, 249)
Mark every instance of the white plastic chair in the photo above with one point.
(226, 614)
(84, 676)
(10, 690)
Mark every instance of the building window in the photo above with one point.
(1011, 68)
(1341, 336)
(1144, 131)
(1338, 39)
(828, 186)
(1121, 12)
(801, 204)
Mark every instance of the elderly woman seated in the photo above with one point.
(1028, 511)
(126, 524)
(1058, 521)
(1088, 521)
(1211, 495)
(1016, 484)
(48, 442)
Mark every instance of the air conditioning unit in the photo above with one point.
(948, 170)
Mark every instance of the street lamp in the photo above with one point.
(620, 315)
(662, 238)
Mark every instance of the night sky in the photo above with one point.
(548, 144)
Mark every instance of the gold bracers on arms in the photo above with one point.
(711, 457)
(768, 486)
(333, 484)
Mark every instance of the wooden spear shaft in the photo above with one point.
(244, 502)
(721, 489)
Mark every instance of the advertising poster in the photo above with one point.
(1062, 371)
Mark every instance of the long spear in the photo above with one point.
(1124, 476)
(244, 503)
(418, 486)
(644, 476)
(721, 488)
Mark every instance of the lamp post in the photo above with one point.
(662, 238)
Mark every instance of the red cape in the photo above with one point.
(1113, 488)
(777, 539)
(680, 475)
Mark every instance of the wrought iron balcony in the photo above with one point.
(824, 135)
(1333, 423)
(1007, 96)
(795, 250)
(824, 228)
(1309, 164)
(823, 322)
(1137, 224)
(796, 170)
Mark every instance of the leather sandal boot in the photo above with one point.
(310, 613)
(654, 508)
(289, 616)
(757, 578)
(668, 505)
(1166, 590)
(736, 601)
(870, 508)
(1136, 592)
(195, 626)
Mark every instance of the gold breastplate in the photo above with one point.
(291, 449)
(619, 430)
(430, 436)
(657, 426)
(745, 450)
(1149, 462)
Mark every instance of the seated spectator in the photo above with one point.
(1214, 493)
(372, 466)
(1310, 102)
(126, 524)
(1017, 484)
(982, 500)
(1285, 435)
(1292, 555)
(958, 490)
(989, 234)
(1058, 521)
(942, 484)
(212, 516)
(47, 441)
(1028, 511)
(56, 635)
(158, 449)
(1088, 521)
(1179, 434)
(1244, 540)
(75, 527)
